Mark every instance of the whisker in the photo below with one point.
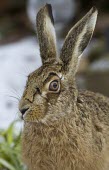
(19, 115)
(14, 97)
(14, 91)
(16, 116)
(26, 69)
(21, 74)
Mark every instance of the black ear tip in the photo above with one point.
(94, 9)
(48, 5)
(49, 9)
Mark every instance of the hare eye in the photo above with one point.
(54, 85)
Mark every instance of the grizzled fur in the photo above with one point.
(65, 129)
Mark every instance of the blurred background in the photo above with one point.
(19, 55)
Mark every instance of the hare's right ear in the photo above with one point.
(77, 40)
(46, 34)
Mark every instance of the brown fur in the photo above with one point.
(46, 34)
(65, 129)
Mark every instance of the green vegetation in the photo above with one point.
(10, 149)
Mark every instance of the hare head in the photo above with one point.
(50, 91)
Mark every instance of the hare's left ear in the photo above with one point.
(77, 40)
(46, 34)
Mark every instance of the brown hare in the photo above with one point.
(64, 128)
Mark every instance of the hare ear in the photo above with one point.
(46, 34)
(77, 40)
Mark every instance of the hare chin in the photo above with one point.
(46, 120)
(34, 121)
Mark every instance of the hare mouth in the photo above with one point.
(28, 117)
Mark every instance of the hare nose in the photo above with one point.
(23, 110)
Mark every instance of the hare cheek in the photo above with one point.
(37, 110)
(34, 115)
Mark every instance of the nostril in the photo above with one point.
(23, 110)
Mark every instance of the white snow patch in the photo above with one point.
(100, 65)
(17, 60)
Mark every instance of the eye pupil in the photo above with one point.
(55, 85)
